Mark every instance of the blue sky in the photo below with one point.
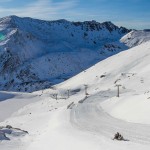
(128, 13)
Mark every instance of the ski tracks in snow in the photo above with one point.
(90, 116)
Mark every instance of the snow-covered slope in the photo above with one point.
(136, 37)
(79, 122)
(35, 54)
(130, 69)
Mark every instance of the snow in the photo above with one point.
(62, 48)
(80, 121)
(136, 37)
(92, 121)
(52, 129)
(130, 69)
(130, 108)
(12, 102)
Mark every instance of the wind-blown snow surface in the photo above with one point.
(88, 123)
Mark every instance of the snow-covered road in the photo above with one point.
(90, 116)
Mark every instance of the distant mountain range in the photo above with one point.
(37, 54)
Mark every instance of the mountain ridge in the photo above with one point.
(37, 54)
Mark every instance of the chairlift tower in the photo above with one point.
(68, 93)
(86, 86)
(118, 90)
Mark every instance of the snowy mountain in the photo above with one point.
(36, 54)
(80, 121)
(135, 38)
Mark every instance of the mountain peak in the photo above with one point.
(91, 25)
(55, 45)
(11, 17)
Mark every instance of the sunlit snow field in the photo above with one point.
(79, 121)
